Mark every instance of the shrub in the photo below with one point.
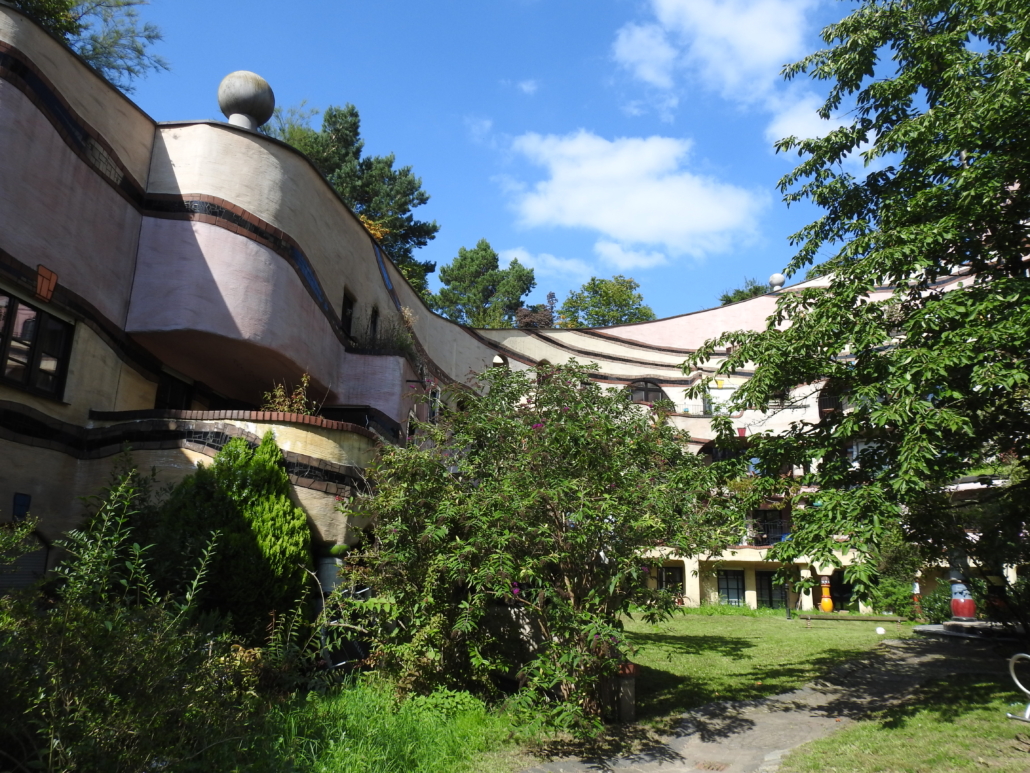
(263, 542)
(893, 596)
(936, 604)
(508, 546)
(106, 675)
(282, 401)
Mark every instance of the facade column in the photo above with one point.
(691, 582)
(806, 595)
(750, 587)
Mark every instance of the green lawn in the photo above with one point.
(697, 658)
(949, 728)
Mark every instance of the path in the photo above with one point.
(752, 736)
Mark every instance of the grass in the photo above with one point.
(949, 727)
(698, 657)
(361, 728)
(707, 655)
(717, 653)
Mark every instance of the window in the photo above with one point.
(434, 406)
(646, 392)
(373, 328)
(173, 393)
(771, 595)
(21, 506)
(840, 591)
(830, 399)
(347, 312)
(670, 578)
(34, 347)
(731, 587)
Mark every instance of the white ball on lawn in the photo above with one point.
(881, 631)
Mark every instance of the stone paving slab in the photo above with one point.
(754, 736)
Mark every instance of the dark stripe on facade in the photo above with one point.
(84, 141)
(98, 155)
(598, 355)
(213, 210)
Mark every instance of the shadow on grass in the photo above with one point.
(663, 695)
(733, 647)
(947, 701)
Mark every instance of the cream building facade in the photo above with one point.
(157, 278)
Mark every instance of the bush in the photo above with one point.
(263, 542)
(108, 676)
(893, 596)
(508, 545)
(936, 604)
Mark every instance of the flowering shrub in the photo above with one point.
(510, 543)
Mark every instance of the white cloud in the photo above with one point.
(546, 265)
(644, 50)
(796, 116)
(738, 46)
(618, 256)
(528, 87)
(635, 192)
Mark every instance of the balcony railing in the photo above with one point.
(763, 533)
(709, 408)
(702, 408)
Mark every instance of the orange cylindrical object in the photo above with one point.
(825, 603)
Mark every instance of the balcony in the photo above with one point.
(705, 408)
(764, 532)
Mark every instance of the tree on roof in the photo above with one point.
(934, 374)
(539, 315)
(477, 292)
(605, 302)
(750, 289)
(381, 195)
(108, 34)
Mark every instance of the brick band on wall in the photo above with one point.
(27, 426)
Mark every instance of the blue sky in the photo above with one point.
(586, 138)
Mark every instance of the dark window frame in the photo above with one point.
(770, 594)
(21, 506)
(671, 578)
(768, 527)
(347, 308)
(649, 390)
(173, 393)
(732, 580)
(43, 320)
